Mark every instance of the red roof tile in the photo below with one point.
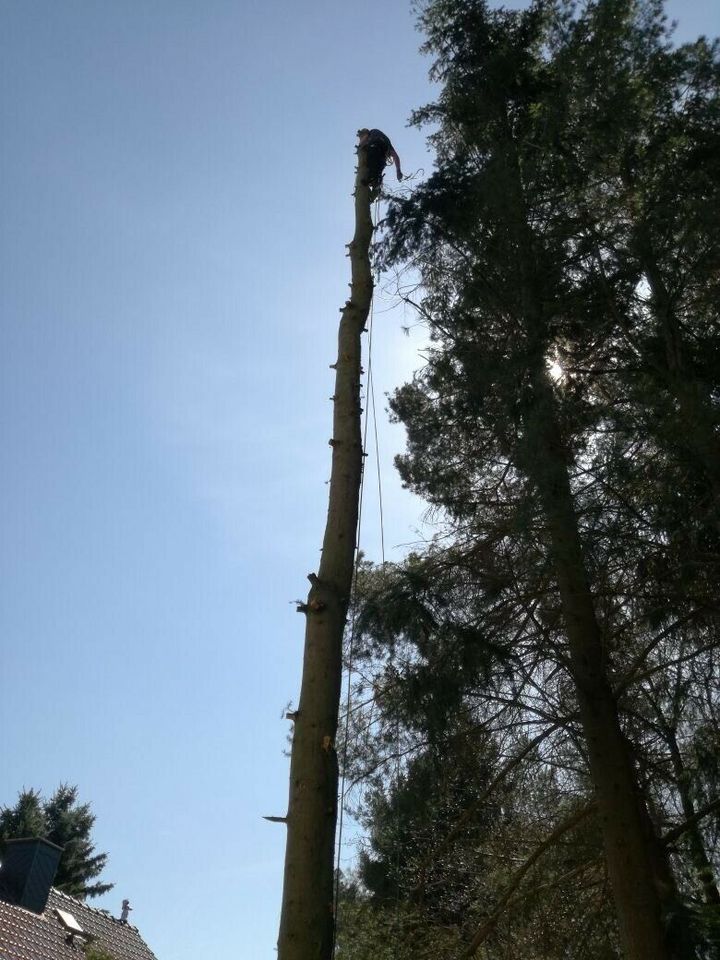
(31, 936)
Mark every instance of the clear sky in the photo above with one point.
(175, 183)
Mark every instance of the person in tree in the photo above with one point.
(379, 150)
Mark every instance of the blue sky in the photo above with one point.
(175, 182)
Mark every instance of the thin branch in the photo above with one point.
(478, 802)
(672, 835)
(631, 674)
(671, 663)
(559, 831)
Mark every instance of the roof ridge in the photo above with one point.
(103, 913)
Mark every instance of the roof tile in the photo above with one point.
(30, 936)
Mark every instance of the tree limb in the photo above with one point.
(559, 831)
(682, 828)
(477, 803)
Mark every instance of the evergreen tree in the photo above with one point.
(63, 821)
(573, 558)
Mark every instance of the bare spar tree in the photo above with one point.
(306, 924)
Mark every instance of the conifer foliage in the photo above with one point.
(62, 820)
(541, 683)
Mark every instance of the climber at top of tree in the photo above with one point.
(378, 149)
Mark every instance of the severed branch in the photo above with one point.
(559, 831)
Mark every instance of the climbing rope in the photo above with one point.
(369, 408)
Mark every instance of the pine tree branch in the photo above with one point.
(677, 660)
(633, 673)
(476, 804)
(559, 831)
(672, 835)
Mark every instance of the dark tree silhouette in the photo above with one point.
(64, 821)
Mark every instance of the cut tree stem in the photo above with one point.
(306, 923)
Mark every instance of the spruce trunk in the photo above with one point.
(637, 867)
(306, 924)
(638, 871)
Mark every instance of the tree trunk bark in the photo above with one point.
(306, 923)
(637, 868)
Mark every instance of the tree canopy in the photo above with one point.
(537, 744)
(62, 820)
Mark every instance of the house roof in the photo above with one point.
(30, 936)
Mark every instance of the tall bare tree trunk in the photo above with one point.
(306, 924)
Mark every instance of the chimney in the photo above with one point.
(27, 870)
